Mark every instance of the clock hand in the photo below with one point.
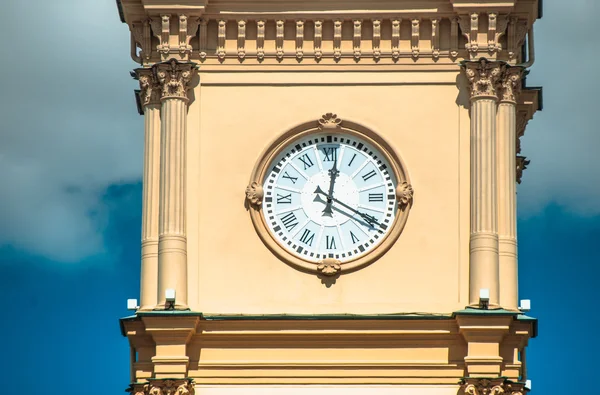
(333, 173)
(368, 218)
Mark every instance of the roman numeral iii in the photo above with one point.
(373, 197)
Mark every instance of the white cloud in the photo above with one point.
(563, 140)
(69, 125)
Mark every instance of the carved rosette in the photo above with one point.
(483, 77)
(149, 86)
(174, 78)
(330, 121)
(510, 84)
(255, 194)
(329, 267)
(404, 194)
(481, 386)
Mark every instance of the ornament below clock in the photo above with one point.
(329, 196)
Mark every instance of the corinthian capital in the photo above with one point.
(171, 387)
(477, 386)
(510, 83)
(483, 77)
(174, 78)
(149, 87)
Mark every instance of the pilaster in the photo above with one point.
(150, 98)
(510, 86)
(174, 78)
(483, 252)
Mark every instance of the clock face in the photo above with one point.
(329, 196)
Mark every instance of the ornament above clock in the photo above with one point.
(329, 196)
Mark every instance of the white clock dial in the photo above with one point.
(329, 196)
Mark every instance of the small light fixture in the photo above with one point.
(132, 304)
(525, 305)
(170, 295)
(484, 298)
(528, 384)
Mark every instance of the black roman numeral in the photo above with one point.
(293, 179)
(330, 154)
(330, 242)
(289, 221)
(305, 159)
(369, 175)
(373, 197)
(351, 160)
(307, 237)
(284, 199)
(354, 238)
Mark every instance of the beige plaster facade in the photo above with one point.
(437, 86)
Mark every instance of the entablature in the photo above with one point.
(312, 32)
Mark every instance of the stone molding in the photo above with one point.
(492, 386)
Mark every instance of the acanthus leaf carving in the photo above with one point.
(174, 78)
(404, 194)
(510, 83)
(254, 195)
(171, 387)
(329, 121)
(477, 386)
(149, 86)
(483, 77)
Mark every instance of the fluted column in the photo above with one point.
(507, 202)
(150, 97)
(483, 252)
(174, 78)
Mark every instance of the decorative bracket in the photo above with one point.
(188, 27)
(161, 29)
(329, 267)
(404, 194)
(330, 121)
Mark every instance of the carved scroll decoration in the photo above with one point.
(142, 35)
(435, 38)
(454, 38)
(241, 39)
(469, 25)
(415, 37)
(356, 39)
(299, 39)
(337, 39)
(161, 29)
(203, 39)
(481, 386)
(510, 84)
(280, 25)
(396, 22)
(170, 387)
(150, 89)
(376, 39)
(221, 39)
(260, 39)
(317, 39)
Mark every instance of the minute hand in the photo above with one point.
(370, 219)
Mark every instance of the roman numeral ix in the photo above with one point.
(284, 199)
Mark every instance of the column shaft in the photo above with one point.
(172, 244)
(150, 202)
(484, 229)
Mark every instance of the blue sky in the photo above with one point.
(70, 160)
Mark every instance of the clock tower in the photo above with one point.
(329, 199)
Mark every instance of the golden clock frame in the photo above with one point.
(329, 123)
